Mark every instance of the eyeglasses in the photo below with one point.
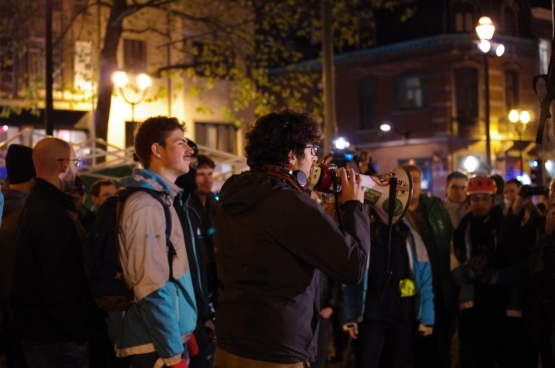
(474, 198)
(76, 161)
(313, 150)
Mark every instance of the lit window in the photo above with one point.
(412, 92)
(545, 52)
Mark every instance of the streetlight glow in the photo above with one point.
(525, 117)
(485, 28)
(484, 46)
(120, 79)
(385, 127)
(513, 116)
(500, 50)
(143, 81)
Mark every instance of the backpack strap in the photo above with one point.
(158, 196)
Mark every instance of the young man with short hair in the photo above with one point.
(163, 314)
(455, 203)
(101, 190)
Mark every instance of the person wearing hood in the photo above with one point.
(195, 236)
(271, 240)
(21, 177)
(158, 325)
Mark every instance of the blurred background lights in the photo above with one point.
(471, 164)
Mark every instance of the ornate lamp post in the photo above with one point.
(120, 79)
(520, 118)
(485, 30)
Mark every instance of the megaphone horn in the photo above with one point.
(376, 188)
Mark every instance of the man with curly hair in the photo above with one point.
(271, 241)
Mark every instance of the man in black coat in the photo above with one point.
(49, 296)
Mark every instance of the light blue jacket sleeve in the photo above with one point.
(426, 313)
(1, 206)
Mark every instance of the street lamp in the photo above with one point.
(121, 79)
(485, 30)
(520, 118)
(386, 128)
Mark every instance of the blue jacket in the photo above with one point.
(164, 312)
(354, 296)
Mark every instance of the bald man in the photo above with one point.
(49, 296)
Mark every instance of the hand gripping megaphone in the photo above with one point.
(325, 178)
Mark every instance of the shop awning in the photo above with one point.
(63, 119)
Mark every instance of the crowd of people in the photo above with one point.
(260, 277)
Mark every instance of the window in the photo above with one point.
(545, 53)
(464, 17)
(412, 92)
(36, 63)
(510, 19)
(82, 66)
(367, 98)
(219, 136)
(134, 56)
(466, 95)
(511, 90)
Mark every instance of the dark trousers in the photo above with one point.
(206, 349)
(61, 355)
(383, 344)
(434, 351)
(323, 339)
(487, 339)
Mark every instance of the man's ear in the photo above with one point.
(291, 157)
(155, 150)
(64, 167)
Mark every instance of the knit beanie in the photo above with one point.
(19, 164)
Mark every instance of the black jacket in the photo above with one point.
(50, 296)
(269, 240)
(194, 243)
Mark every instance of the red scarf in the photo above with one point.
(278, 172)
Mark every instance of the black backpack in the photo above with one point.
(104, 271)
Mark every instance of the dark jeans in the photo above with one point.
(383, 344)
(61, 355)
(205, 356)
(434, 351)
(323, 338)
(487, 339)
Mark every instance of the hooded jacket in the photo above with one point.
(354, 296)
(164, 312)
(269, 240)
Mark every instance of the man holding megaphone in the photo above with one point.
(270, 241)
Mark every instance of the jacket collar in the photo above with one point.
(48, 189)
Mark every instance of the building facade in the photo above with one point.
(153, 42)
(425, 77)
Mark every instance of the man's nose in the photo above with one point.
(188, 150)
